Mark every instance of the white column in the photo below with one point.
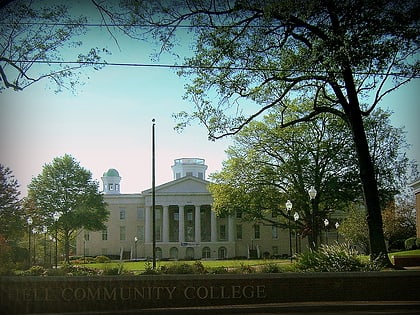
(231, 228)
(148, 225)
(197, 225)
(213, 224)
(181, 224)
(165, 224)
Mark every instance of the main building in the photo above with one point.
(185, 225)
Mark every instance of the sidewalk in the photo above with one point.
(321, 308)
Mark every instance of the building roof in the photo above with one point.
(112, 172)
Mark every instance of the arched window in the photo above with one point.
(206, 253)
(222, 253)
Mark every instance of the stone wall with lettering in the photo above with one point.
(25, 295)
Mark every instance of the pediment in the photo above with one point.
(184, 185)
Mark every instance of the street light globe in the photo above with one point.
(326, 222)
(296, 216)
(29, 220)
(56, 216)
(135, 239)
(289, 205)
(312, 192)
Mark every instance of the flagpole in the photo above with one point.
(153, 196)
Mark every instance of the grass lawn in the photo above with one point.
(138, 267)
(413, 252)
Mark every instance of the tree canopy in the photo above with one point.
(67, 188)
(34, 37)
(10, 205)
(252, 55)
(268, 165)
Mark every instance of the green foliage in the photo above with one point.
(354, 228)
(102, 259)
(34, 271)
(335, 258)
(114, 270)
(28, 35)
(11, 215)
(183, 268)
(271, 268)
(412, 243)
(67, 188)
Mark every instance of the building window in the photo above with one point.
(111, 187)
(256, 232)
(86, 236)
(122, 233)
(140, 213)
(177, 175)
(158, 234)
(206, 253)
(122, 214)
(201, 175)
(189, 215)
(274, 232)
(176, 216)
(275, 250)
(239, 231)
(117, 187)
(189, 173)
(105, 235)
(222, 232)
(140, 232)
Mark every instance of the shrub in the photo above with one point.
(113, 271)
(271, 268)
(410, 243)
(102, 259)
(244, 268)
(334, 258)
(34, 271)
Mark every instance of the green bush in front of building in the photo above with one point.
(334, 258)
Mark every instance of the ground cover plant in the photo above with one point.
(330, 258)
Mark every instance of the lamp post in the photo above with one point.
(312, 194)
(337, 225)
(326, 222)
(153, 196)
(34, 231)
(289, 208)
(56, 217)
(29, 221)
(44, 231)
(296, 218)
(135, 247)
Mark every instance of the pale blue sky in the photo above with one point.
(108, 123)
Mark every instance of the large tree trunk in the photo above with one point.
(370, 188)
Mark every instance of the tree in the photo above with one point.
(66, 187)
(399, 222)
(354, 228)
(257, 54)
(268, 165)
(34, 37)
(10, 206)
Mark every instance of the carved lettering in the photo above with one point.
(78, 294)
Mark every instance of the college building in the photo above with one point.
(185, 225)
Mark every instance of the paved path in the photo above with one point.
(321, 308)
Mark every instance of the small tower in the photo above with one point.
(189, 167)
(111, 181)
